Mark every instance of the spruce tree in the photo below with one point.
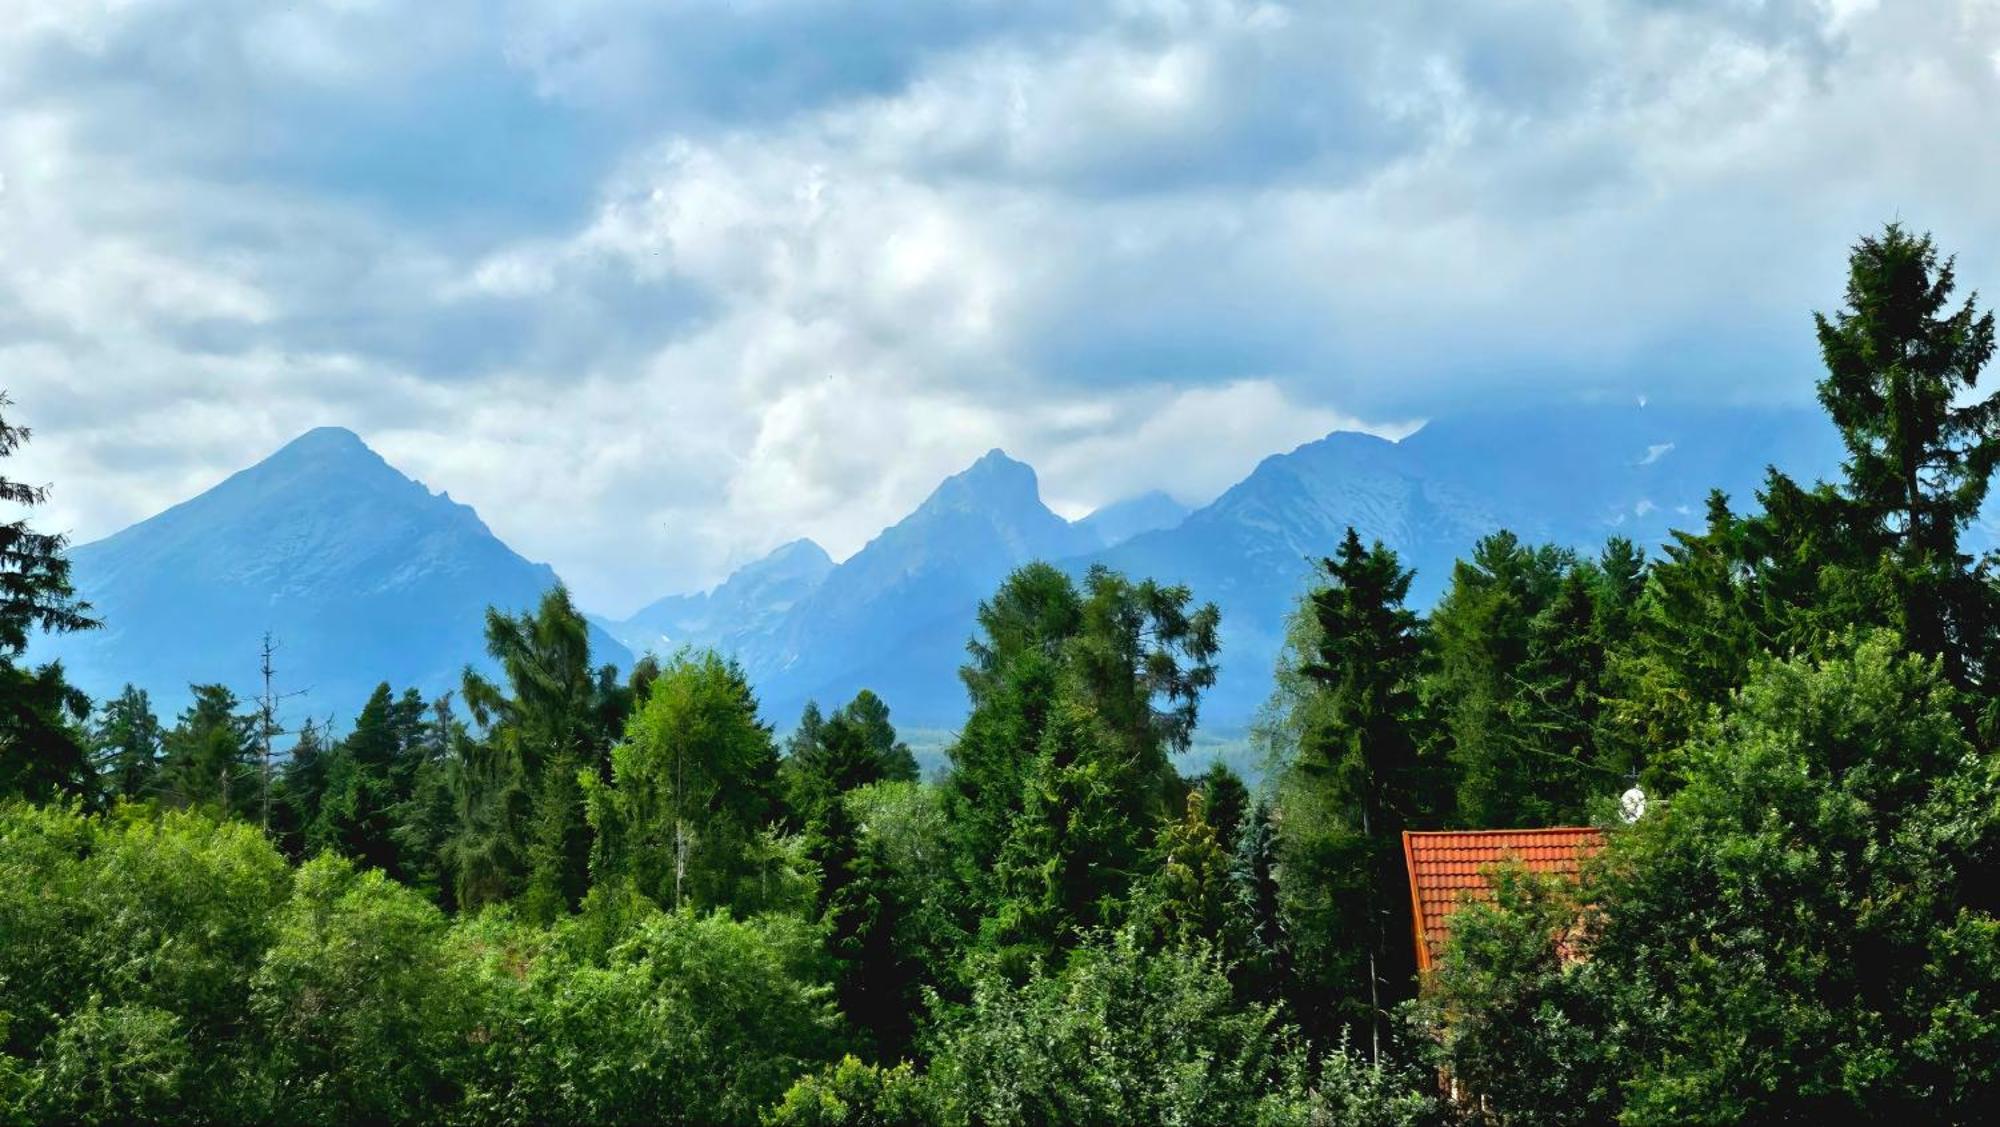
(41, 715)
(1902, 379)
(208, 760)
(128, 742)
(1353, 786)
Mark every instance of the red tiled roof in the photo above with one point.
(1449, 868)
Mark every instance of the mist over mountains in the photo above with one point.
(365, 575)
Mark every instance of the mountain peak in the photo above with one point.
(321, 441)
(995, 476)
(1119, 521)
(804, 549)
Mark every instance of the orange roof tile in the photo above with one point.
(1449, 868)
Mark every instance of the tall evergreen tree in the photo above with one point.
(369, 775)
(41, 715)
(1355, 784)
(208, 759)
(1063, 771)
(545, 725)
(1903, 364)
(128, 742)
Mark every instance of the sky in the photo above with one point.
(657, 286)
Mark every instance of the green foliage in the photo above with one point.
(691, 791)
(114, 1064)
(1062, 774)
(1520, 674)
(1803, 932)
(680, 1019)
(144, 932)
(208, 754)
(1193, 899)
(367, 778)
(363, 1012)
(41, 748)
(1357, 778)
(1902, 376)
(522, 827)
(127, 743)
(853, 1094)
(1120, 1035)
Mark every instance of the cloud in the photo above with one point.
(659, 286)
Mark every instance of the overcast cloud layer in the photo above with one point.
(657, 286)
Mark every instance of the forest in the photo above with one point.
(570, 893)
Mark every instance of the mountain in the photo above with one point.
(1122, 520)
(894, 617)
(363, 574)
(1573, 475)
(359, 574)
(734, 615)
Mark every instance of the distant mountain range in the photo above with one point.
(360, 575)
(366, 575)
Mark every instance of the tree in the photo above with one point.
(1902, 373)
(427, 817)
(1079, 699)
(41, 749)
(1077, 845)
(128, 742)
(369, 775)
(363, 1013)
(1804, 932)
(1226, 802)
(1265, 965)
(1122, 1033)
(1355, 782)
(555, 717)
(691, 790)
(208, 758)
(827, 757)
(1193, 899)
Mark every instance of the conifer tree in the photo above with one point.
(128, 742)
(208, 760)
(41, 715)
(1901, 385)
(544, 726)
(1355, 784)
(1193, 896)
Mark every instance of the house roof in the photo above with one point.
(1449, 868)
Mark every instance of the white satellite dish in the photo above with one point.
(1632, 804)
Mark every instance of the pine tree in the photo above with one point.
(1193, 897)
(1076, 846)
(1266, 961)
(369, 775)
(1120, 666)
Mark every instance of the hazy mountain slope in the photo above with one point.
(747, 606)
(360, 574)
(1122, 520)
(894, 616)
(1574, 475)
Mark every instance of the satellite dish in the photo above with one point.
(1632, 804)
